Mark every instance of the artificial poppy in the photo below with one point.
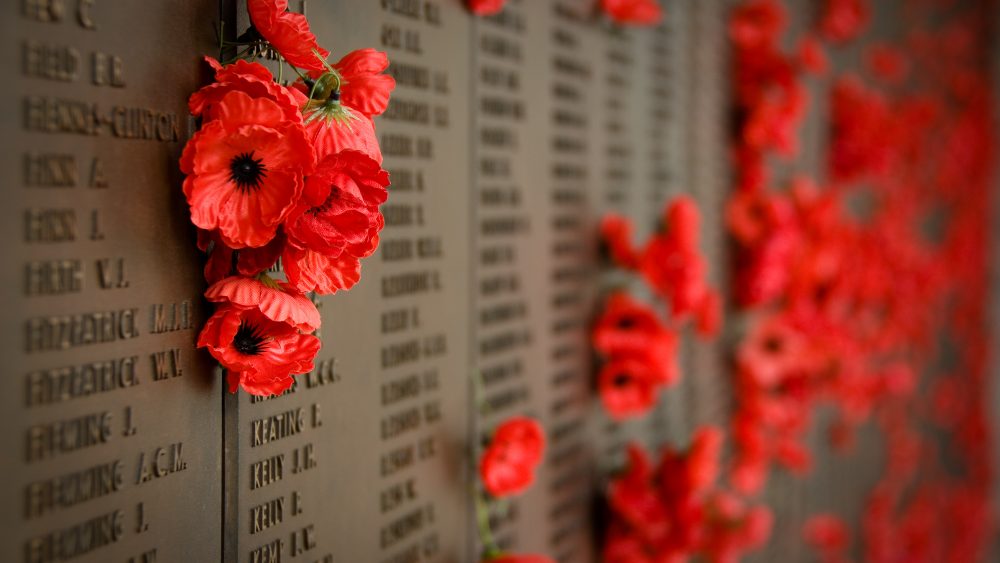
(842, 20)
(288, 33)
(629, 328)
(633, 12)
(260, 355)
(812, 57)
(275, 300)
(675, 273)
(708, 315)
(364, 86)
(616, 233)
(756, 24)
(486, 7)
(247, 262)
(340, 207)
(245, 170)
(628, 387)
(308, 271)
(332, 127)
(251, 78)
(507, 466)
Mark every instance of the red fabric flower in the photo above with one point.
(507, 467)
(629, 328)
(261, 355)
(708, 316)
(486, 7)
(828, 534)
(616, 232)
(633, 12)
(245, 170)
(675, 273)
(628, 387)
(363, 86)
(756, 24)
(334, 127)
(311, 271)
(842, 20)
(340, 207)
(812, 57)
(274, 299)
(671, 263)
(254, 80)
(887, 63)
(288, 33)
(340, 117)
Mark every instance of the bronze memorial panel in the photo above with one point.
(506, 139)
(113, 447)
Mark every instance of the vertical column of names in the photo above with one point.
(115, 418)
(392, 476)
(669, 169)
(508, 210)
(572, 265)
(710, 185)
(425, 298)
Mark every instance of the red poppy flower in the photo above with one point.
(842, 20)
(486, 7)
(261, 355)
(633, 497)
(827, 533)
(887, 63)
(771, 351)
(628, 387)
(254, 80)
(812, 57)
(363, 86)
(633, 12)
(702, 460)
(756, 23)
(311, 271)
(288, 33)
(681, 220)
(752, 216)
(630, 328)
(675, 273)
(245, 170)
(333, 127)
(274, 299)
(616, 232)
(340, 207)
(507, 467)
(708, 316)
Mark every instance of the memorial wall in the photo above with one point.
(507, 139)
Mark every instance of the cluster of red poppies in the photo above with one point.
(283, 172)
(507, 468)
(639, 350)
(624, 12)
(677, 510)
(850, 287)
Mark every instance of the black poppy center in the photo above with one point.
(621, 380)
(330, 199)
(626, 323)
(247, 172)
(248, 340)
(774, 344)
